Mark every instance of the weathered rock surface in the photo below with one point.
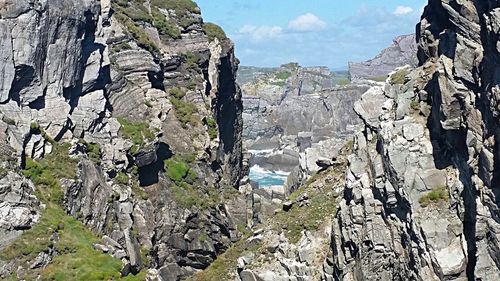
(95, 74)
(402, 52)
(421, 191)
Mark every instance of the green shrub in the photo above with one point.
(434, 196)
(283, 75)
(178, 169)
(76, 258)
(34, 126)
(121, 178)
(133, 9)
(93, 151)
(139, 191)
(165, 27)
(399, 78)
(291, 65)
(186, 22)
(214, 31)
(184, 111)
(177, 93)
(280, 83)
(415, 105)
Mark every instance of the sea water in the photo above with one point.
(266, 178)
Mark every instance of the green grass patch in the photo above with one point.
(343, 82)
(181, 7)
(137, 32)
(224, 267)
(321, 206)
(192, 62)
(138, 133)
(184, 188)
(188, 196)
(34, 126)
(280, 83)
(94, 151)
(438, 194)
(186, 22)
(134, 9)
(46, 173)
(177, 93)
(185, 112)
(291, 65)
(76, 259)
(178, 170)
(122, 46)
(212, 127)
(214, 31)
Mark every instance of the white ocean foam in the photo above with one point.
(266, 152)
(258, 170)
(282, 173)
(261, 152)
(268, 179)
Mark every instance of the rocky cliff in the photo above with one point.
(402, 52)
(292, 108)
(421, 198)
(126, 117)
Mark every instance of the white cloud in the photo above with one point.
(261, 32)
(403, 10)
(307, 22)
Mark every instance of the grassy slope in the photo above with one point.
(76, 258)
(320, 210)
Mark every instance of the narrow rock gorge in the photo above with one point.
(127, 150)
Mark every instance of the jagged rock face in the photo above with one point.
(300, 114)
(401, 52)
(421, 199)
(84, 72)
(293, 99)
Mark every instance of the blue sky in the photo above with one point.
(311, 32)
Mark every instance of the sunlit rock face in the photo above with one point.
(421, 195)
(402, 52)
(141, 95)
